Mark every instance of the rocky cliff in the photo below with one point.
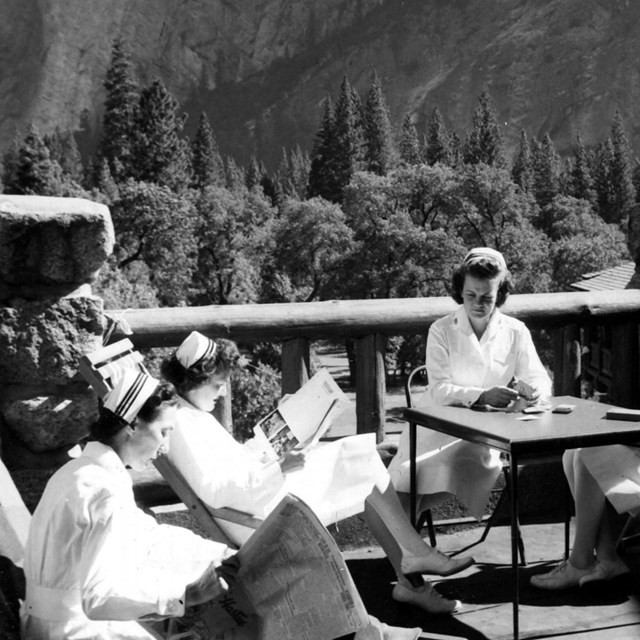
(260, 68)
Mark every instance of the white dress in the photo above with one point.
(460, 367)
(95, 563)
(335, 480)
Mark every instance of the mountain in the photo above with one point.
(260, 68)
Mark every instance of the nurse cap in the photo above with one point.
(132, 389)
(194, 349)
(486, 253)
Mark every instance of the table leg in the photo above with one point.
(515, 532)
(412, 473)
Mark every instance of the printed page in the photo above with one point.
(302, 418)
(293, 584)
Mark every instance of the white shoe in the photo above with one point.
(563, 576)
(604, 570)
(425, 597)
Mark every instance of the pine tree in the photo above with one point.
(70, 159)
(484, 141)
(546, 171)
(635, 177)
(581, 181)
(105, 183)
(601, 163)
(377, 130)
(409, 145)
(349, 138)
(35, 172)
(10, 163)
(158, 152)
(234, 176)
(437, 142)
(522, 170)
(119, 113)
(208, 168)
(253, 174)
(323, 180)
(623, 194)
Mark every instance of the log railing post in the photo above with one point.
(295, 364)
(370, 385)
(567, 361)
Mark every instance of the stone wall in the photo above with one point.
(50, 250)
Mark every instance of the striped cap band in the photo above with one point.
(129, 393)
(194, 349)
(486, 253)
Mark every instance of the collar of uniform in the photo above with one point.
(462, 323)
(105, 456)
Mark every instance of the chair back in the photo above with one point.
(101, 368)
(408, 391)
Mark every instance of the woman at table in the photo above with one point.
(596, 475)
(95, 564)
(225, 473)
(475, 356)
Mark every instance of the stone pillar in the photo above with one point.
(50, 251)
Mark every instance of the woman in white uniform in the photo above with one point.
(95, 564)
(475, 356)
(595, 475)
(224, 472)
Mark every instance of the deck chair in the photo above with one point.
(426, 517)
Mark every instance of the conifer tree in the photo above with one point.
(581, 185)
(323, 180)
(484, 141)
(409, 146)
(377, 130)
(10, 163)
(299, 163)
(234, 176)
(253, 174)
(158, 152)
(601, 164)
(70, 159)
(35, 172)
(208, 168)
(522, 170)
(635, 177)
(546, 171)
(623, 195)
(437, 141)
(349, 138)
(105, 183)
(119, 113)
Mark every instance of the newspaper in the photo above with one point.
(301, 419)
(293, 584)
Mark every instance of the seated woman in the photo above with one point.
(475, 356)
(225, 473)
(94, 563)
(595, 475)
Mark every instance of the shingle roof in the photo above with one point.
(607, 279)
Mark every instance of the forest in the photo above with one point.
(375, 209)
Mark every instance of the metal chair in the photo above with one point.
(426, 517)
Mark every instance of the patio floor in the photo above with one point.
(610, 612)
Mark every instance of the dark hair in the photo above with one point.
(186, 379)
(109, 424)
(484, 269)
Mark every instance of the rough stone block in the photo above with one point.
(47, 423)
(52, 241)
(42, 342)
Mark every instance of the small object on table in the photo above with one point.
(564, 408)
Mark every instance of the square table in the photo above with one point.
(549, 435)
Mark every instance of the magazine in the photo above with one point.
(301, 419)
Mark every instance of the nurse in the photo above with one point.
(332, 478)
(475, 356)
(95, 564)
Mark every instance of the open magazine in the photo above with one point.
(301, 419)
(292, 576)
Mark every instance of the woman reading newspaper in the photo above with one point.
(225, 473)
(99, 568)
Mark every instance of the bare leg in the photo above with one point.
(406, 550)
(590, 507)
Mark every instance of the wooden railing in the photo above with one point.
(369, 322)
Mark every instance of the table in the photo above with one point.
(552, 433)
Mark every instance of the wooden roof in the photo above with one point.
(607, 279)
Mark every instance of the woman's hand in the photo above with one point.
(228, 570)
(498, 396)
(207, 587)
(292, 460)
